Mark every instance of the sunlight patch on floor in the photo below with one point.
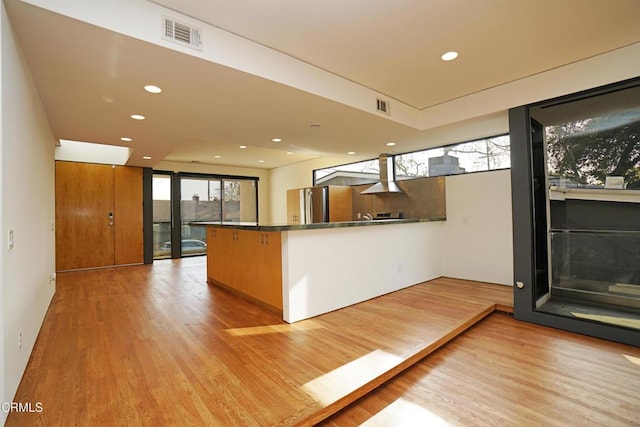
(613, 320)
(632, 359)
(347, 378)
(404, 413)
(625, 288)
(271, 329)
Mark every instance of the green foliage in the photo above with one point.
(587, 151)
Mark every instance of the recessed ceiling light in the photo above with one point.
(260, 161)
(276, 139)
(289, 152)
(390, 144)
(126, 139)
(216, 157)
(137, 117)
(351, 152)
(152, 89)
(146, 157)
(243, 146)
(449, 56)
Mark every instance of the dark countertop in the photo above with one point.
(291, 227)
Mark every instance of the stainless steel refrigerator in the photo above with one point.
(313, 205)
(319, 204)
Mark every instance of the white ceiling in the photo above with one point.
(90, 78)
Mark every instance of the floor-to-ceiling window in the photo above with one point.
(179, 200)
(576, 193)
(200, 201)
(161, 215)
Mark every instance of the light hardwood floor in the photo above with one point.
(155, 345)
(502, 372)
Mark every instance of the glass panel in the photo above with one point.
(592, 150)
(595, 142)
(161, 216)
(200, 201)
(366, 172)
(474, 156)
(239, 202)
(597, 266)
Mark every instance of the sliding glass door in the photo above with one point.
(162, 216)
(199, 202)
(182, 199)
(239, 200)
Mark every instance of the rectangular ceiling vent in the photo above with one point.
(181, 33)
(383, 106)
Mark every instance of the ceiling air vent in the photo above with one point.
(383, 106)
(181, 33)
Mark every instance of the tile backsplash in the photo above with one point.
(422, 198)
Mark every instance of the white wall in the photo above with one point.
(327, 269)
(477, 236)
(264, 182)
(27, 208)
(3, 25)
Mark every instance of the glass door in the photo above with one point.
(239, 200)
(592, 167)
(576, 204)
(183, 199)
(162, 215)
(200, 201)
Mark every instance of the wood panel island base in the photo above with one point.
(307, 270)
(248, 263)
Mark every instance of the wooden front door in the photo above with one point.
(84, 204)
(99, 218)
(128, 221)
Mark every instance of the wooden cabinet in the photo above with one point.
(247, 262)
(266, 279)
(340, 203)
(293, 206)
(215, 253)
(98, 215)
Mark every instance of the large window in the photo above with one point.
(593, 174)
(365, 172)
(586, 149)
(202, 198)
(473, 156)
(576, 204)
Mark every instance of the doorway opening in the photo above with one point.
(587, 178)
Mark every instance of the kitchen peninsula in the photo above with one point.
(306, 270)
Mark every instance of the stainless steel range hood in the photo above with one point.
(386, 183)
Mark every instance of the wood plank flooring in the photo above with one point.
(505, 372)
(148, 345)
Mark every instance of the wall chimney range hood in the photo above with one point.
(386, 183)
